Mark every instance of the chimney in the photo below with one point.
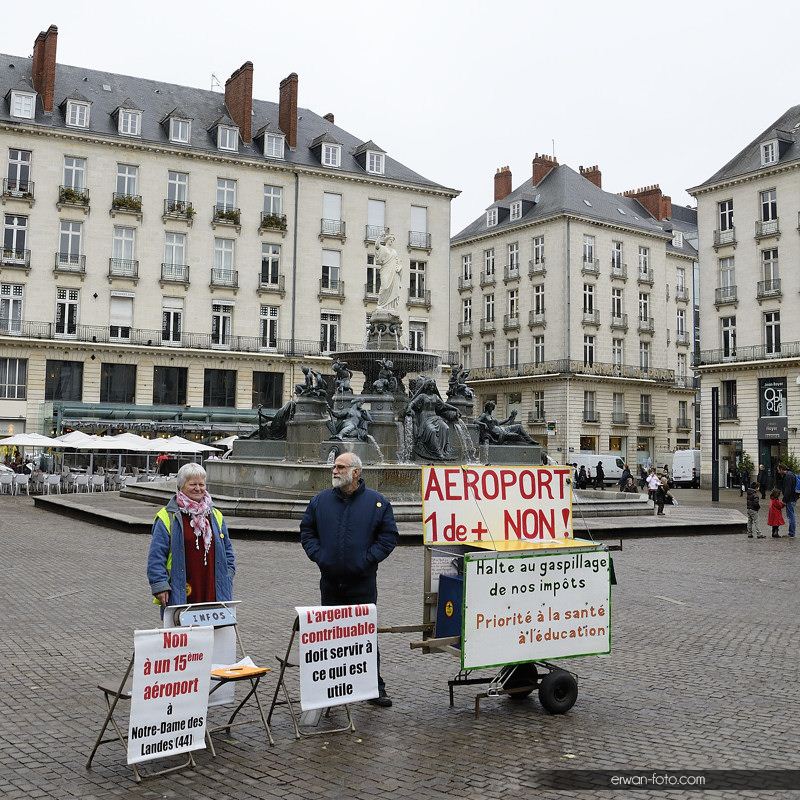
(592, 174)
(329, 117)
(542, 164)
(658, 205)
(287, 109)
(44, 66)
(502, 183)
(239, 99)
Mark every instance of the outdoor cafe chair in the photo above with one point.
(81, 483)
(98, 483)
(7, 483)
(52, 483)
(21, 481)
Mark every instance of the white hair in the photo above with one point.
(188, 471)
(355, 461)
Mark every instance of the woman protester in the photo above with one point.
(191, 558)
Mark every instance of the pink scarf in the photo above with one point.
(198, 513)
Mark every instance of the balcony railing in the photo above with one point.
(724, 238)
(646, 325)
(619, 271)
(178, 209)
(750, 353)
(591, 317)
(770, 288)
(619, 418)
(536, 319)
(225, 215)
(123, 268)
(374, 232)
(487, 325)
(685, 382)
(488, 279)
(464, 284)
(175, 273)
(19, 259)
(536, 268)
(510, 273)
(647, 420)
(464, 329)
(511, 322)
(73, 196)
(145, 337)
(331, 287)
(574, 367)
(682, 338)
(619, 323)
(683, 424)
(645, 276)
(18, 190)
(224, 277)
(272, 222)
(272, 283)
(127, 203)
(681, 294)
(419, 240)
(591, 416)
(590, 266)
(729, 412)
(419, 299)
(767, 227)
(723, 295)
(70, 262)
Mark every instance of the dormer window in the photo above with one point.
(129, 122)
(331, 155)
(180, 130)
(491, 218)
(77, 114)
(376, 162)
(516, 210)
(227, 138)
(677, 239)
(273, 145)
(23, 104)
(769, 153)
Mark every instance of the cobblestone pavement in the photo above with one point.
(703, 674)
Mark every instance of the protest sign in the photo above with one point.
(483, 504)
(169, 696)
(527, 607)
(338, 654)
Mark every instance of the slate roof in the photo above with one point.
(564, 191)
(204, 107)
(749, 158)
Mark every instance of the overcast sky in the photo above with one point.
(652, 92)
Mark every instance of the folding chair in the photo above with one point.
(203, 614)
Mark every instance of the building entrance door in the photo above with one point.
(770, 454)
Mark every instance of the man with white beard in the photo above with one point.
(347, 531)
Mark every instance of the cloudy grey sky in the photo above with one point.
(654, 93)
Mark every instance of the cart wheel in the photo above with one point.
(558, 691)
(523, 675)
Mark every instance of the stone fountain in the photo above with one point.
(398, 422)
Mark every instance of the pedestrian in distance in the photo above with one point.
(761, 477)
(623, 479)
(653, 483)
(753, 505)
(191, 558)
(630, 486)
(775, 515)
(582, 477)
(788, 487)
(347, 531)
(744, 477)
(600, 477)
(662, 495)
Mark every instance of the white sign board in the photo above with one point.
(338, 654)
(463, 504)
(169, 696)
(527, 607)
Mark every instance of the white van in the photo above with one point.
(683, 462)
(612, 464)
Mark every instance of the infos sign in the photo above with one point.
(527, 607)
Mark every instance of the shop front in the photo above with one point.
(773, 425)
